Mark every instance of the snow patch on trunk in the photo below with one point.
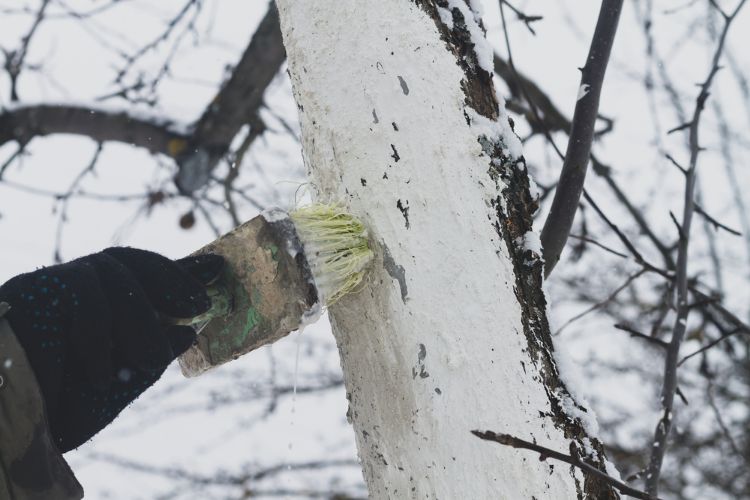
(472, 18)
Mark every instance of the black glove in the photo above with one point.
(92, 333)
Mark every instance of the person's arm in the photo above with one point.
(92, 333)
(30, 465)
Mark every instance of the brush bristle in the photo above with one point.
(336, 246)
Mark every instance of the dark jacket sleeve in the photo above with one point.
(31, 468)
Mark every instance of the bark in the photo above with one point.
(236, 104)
(23, 123)
(401, 125)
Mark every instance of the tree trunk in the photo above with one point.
(400, 124)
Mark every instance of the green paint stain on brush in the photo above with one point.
(252, 320)
(274, 252)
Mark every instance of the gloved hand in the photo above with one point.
(92, 332)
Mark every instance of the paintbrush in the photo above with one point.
(281, 270)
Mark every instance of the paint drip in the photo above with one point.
(294, 394)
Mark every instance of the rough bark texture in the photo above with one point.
(401, 124)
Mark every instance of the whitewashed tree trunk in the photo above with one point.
(400, 124)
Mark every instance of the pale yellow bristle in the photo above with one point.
(336, 247)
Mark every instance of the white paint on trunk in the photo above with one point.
(433, 345)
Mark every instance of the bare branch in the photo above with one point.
(720, 421)
(604, 302)
(550, 120)
(568, 193)
(237, 103)
(523, 17)
(600, 245)
(604, 172)
(9, 161)
(624, 239)
(715, 307)
(117, 198)
(681, 277)
(572, 459)
(220, 479)
(256, 129)
(716, 224)
(162, 37)
(80, 15)
(24, 123)
(678, 226)
(65, 199)
(635, 333)
(15, 60)
(676, 164)
(709, 345)
(683, 126)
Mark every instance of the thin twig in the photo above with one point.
(716, 307)
(600, 245)
(624, 239)
(81, 194)
(709, 345)
(604, 302)
(738, 192)
(218, 479)
(572, 459)
(635, 333)
(7, 163)
(678, 226)
(522, 86)
(163, 36)
(65, 200)
(605, 173)
(676, 164)
(207, 215)
(713, 250)
(14, 61)
(720, 421)
(715, 223)
(523, 17)
(235, 159)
